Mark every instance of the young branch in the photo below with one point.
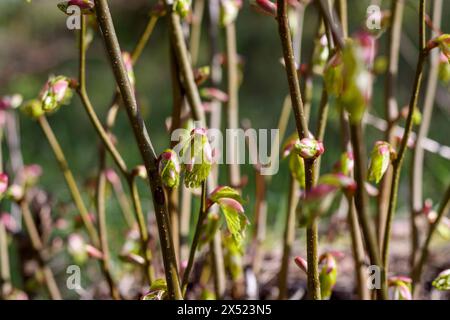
(145, 146)
(302, 129)
(391, 109)
(398, 162)
(417, 164)
(70, 180)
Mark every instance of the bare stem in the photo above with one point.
(102, 231)
(201, 218)
(302, 129)
(398, 162)
(362, 202)
(391, 109)
(145, 146)
(143, 231)
(288, 239)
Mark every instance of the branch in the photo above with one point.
(398, 162)
(145, 146)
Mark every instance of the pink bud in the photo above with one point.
(112, 176)
(367, 43)
(8, 221)
(3, 183)
(265, 7)
(93, 252)
(10, 102)
(214, 94)
(301, 263)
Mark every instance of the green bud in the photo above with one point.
(33, 109)
(169, 168)
(380, 159)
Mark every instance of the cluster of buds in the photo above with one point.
(3, 183)
(265, 7)
(400, 288)
(380, 158)
(183, 7)
(56, 92)
(197, 158)
(442, 282)
(309, 148)
(229, 10)
(169, 168)
(86, 6)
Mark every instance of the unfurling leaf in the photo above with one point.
(380, 159)
(157, 291)
(197, 158)
(443, 42)
(400, 288)
(230, 203)
(442, 282)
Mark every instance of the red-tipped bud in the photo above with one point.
(301, 263)
(309, 148)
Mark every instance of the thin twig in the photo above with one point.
(201, 218)
(70, 180)
(417, 165)
(398, 162)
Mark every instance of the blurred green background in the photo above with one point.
(34, 43)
